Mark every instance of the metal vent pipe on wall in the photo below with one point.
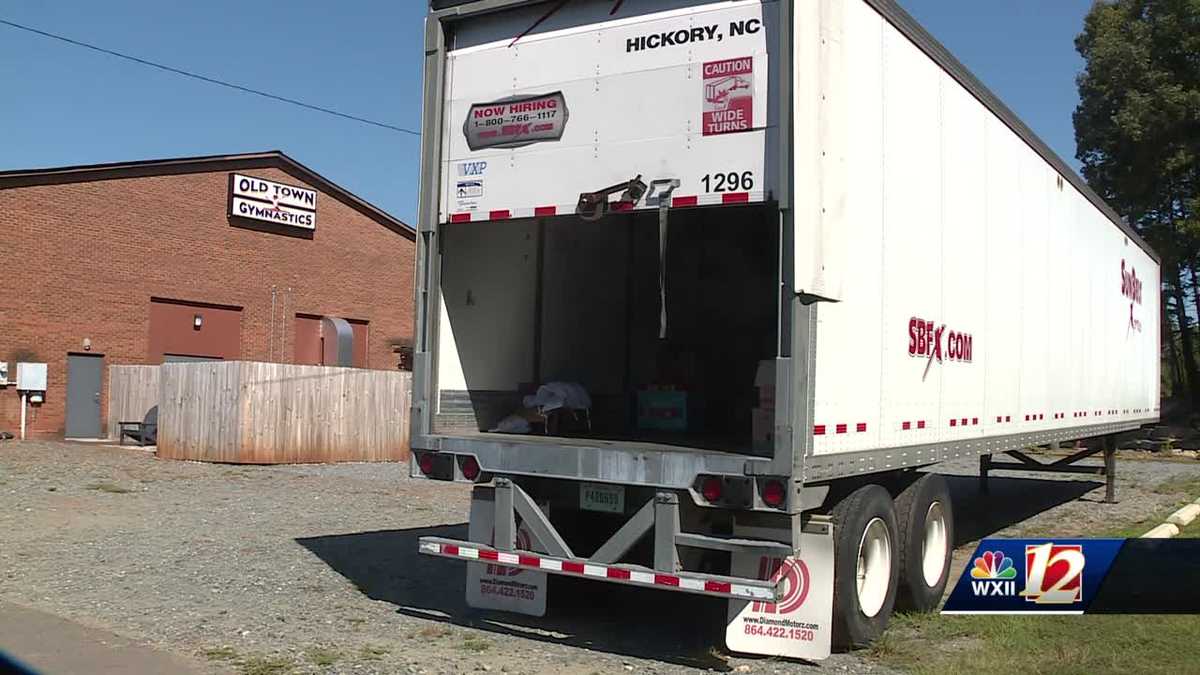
(337, 340)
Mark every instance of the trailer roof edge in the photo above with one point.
(926, 42)
(902, 20)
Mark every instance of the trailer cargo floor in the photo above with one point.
(664, 443)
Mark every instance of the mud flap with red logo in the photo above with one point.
(492, 586)
(798, 626)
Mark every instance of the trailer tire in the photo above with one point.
(926, 520)
(865, 570)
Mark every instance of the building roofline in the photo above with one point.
(211, 163)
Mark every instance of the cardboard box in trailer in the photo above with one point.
(701, 284)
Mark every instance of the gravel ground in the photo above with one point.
(314, 568)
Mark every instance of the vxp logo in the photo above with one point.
(993, 574)
(794, 576)
(1053, 574)
(472, 168)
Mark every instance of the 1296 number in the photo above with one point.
(732, 181)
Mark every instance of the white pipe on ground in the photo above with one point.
(1164, 531)
(1184, 517)
(22, 415)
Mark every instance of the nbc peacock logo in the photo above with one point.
(993, 574)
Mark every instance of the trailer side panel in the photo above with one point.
(980, 294)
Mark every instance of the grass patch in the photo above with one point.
(1137, 529)
(265, 665)
(109, 487)
(1183, 485)
(433, 632)
(1186, 488)
(223, 653)
(476, 644)
(935, 644)
(322, 656)
(373, 652)
(1191, 531)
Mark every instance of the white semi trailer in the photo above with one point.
(769, 258)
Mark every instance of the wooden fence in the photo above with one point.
(132, 392)
(273, 413)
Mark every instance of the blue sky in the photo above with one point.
(62, 105)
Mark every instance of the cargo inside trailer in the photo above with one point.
(565, 300)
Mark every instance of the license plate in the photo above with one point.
(604, 498)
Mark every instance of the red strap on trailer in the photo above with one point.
(539, 22)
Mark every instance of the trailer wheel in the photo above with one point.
(865, 564)
(926, 521)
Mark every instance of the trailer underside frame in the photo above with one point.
(1066, 464)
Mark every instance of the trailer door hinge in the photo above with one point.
(660, 192)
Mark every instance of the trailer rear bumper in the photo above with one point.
(633, 575)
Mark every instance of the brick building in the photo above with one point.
(225, 257)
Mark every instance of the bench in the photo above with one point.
(143, 433)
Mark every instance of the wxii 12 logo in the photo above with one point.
(1053, 574)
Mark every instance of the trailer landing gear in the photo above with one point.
(1024, 462)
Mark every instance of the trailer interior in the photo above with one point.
(567, 300)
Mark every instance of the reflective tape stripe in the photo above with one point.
(718, 586)
(594, 571)
(696, 584)
(563, 209)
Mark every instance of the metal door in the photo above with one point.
(84, 373)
